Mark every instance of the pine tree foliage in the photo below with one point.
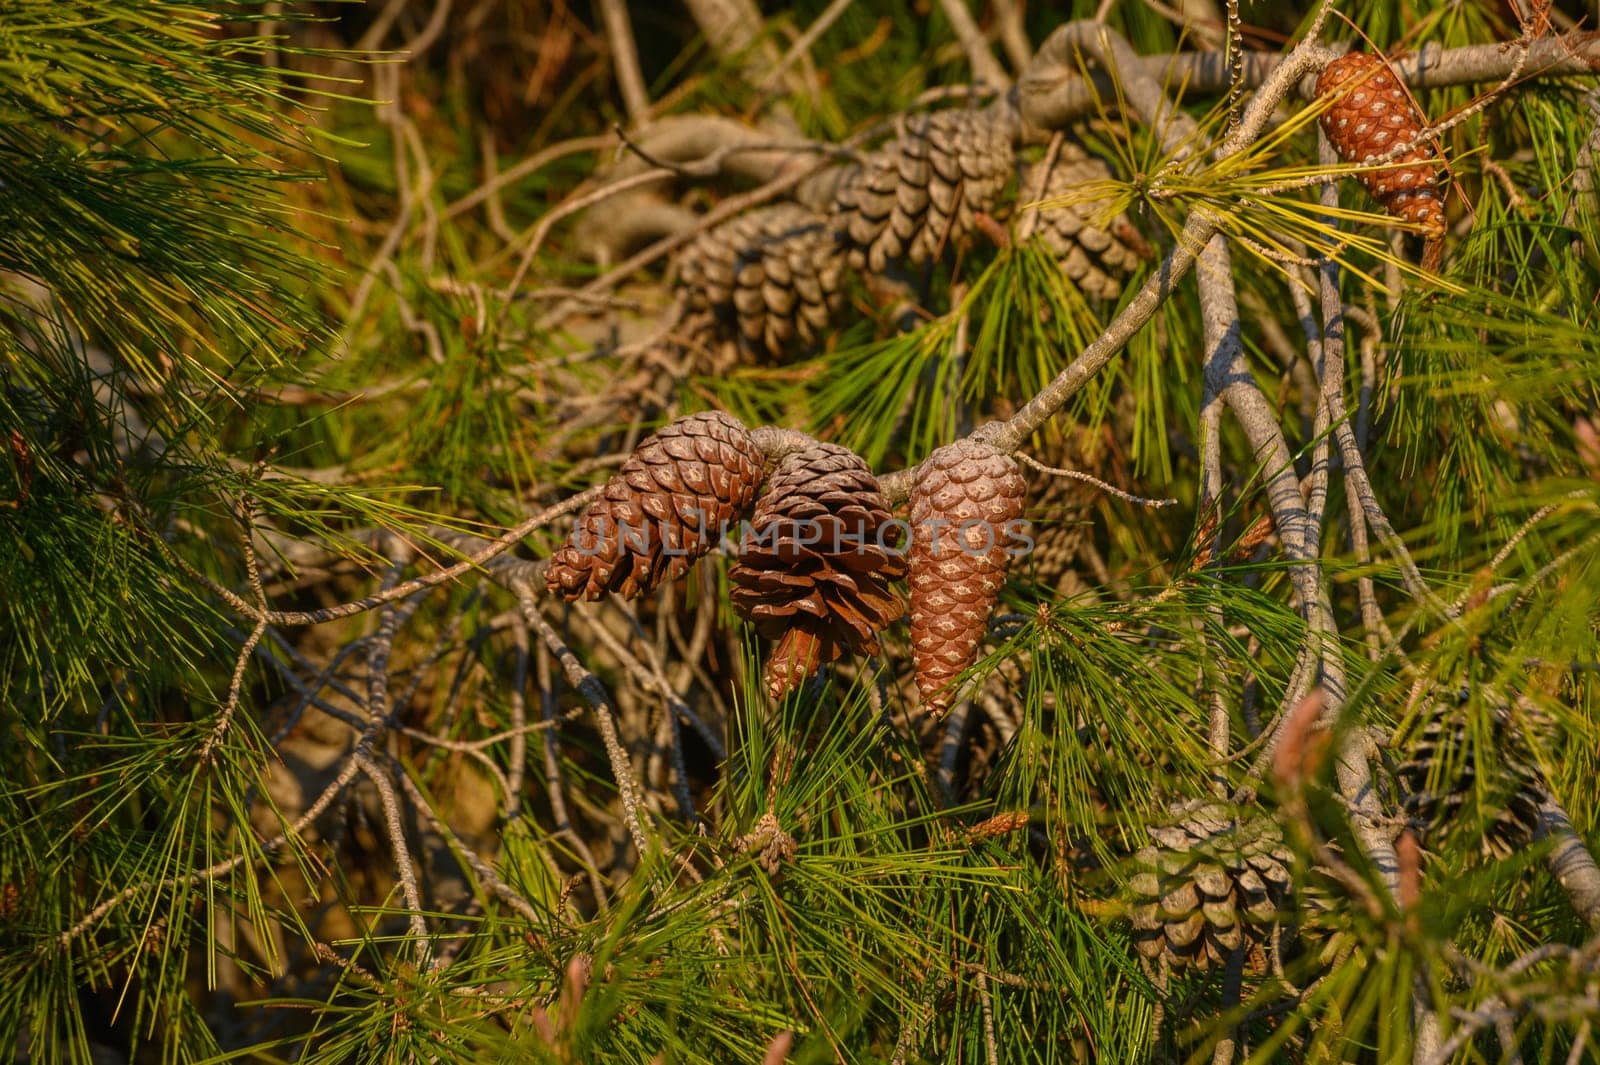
(320, 322)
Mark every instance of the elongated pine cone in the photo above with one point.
(965, 506)
(1371, 115)
(665, 507)
(1215, 880)
(1095, 252)
(1440, 777)
(776, 274)
(921, 191)
(814, 570)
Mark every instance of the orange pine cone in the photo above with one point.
(1370, 115)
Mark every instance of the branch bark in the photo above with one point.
(1570, 862)
(1054, 94)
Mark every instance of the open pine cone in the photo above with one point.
(1440, 778)
(1095, 252)
(814, 571)
(666, 506)
(1370, 115)
(775, 273)
(1216, 880)
(921, 191)
(964, 504)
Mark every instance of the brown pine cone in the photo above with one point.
(814, 570)
(775, 274)
(665, 507)
(964, 506)
(920, 192)
(1095, 253)
(1216, 880)
(1371, 114)
(1440, 777)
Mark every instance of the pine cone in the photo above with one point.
(1094, 253)
(775, 273)
(665, 507)
(964, 504)
(1371, 115)
(814, 570)
(1440, 777)
(1217, 879)
(920, 192)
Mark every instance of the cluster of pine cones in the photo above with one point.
(819, 552)
(775, 276)
(817, 562)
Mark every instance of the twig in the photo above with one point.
(493, 209)
(531, 165)
(497, 547)
(991, 1047)
(1054, 95)
(1079, 475)
(1355, 467)
(1583, 198)
(594, 693)
(1041, 181)
(378, 650)
(985, 67)
(403, 862)
(712, 163)
(554, 788)
(803, 43)
(571, 206)
(386, 81)
(334, 789)
(625, 59)
(519, 718)
(1235, 43)
(480, 868)
(732, 28)
(1013, 33)
(469, 746)
(252, 566)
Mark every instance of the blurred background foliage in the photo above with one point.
(286, 299)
